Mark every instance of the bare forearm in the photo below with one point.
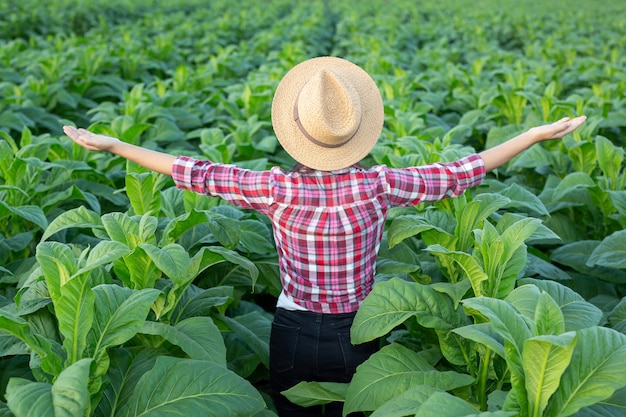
(503, 153)
(153, 160)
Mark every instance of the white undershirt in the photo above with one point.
(287, 303)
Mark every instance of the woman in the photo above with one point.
(327, 217)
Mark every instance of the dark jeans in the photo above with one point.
(308, 346)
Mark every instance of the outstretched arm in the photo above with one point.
(503, 153)
(153, 160)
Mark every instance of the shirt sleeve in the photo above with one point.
(242, 187)
(434, 182)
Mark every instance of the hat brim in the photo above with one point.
(298, 145)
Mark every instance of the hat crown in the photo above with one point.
(329, 108)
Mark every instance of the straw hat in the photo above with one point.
(327, 113)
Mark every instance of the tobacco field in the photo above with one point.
(122, 296)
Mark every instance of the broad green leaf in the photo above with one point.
(58, 263)
(577, 312)
(137, 269)
(525, 299)
(226, 230)
(122, 228)
(390, 372)
(425, 401)
(473, 213)
(576, 256)
(255, 237)
(610, 158)
(239, 260)
(33, 214)
(521, 198)
(393, 302)
(617, 316)
(75, 313)
(178, 226)
(175, 387)
(468, 264)
(198, 337)
(548, 318)
(254, 330)
(50, 352)
(143, 195)
(544, 360)
(68, 396)
(79, 217)
(596, 371)
(105, 252)
(126, 367)
(611, 252)
(612, 407)
(173, 260)
(536, 266)
(199, 302)
(404, 227)
(308, 394)
(119, 314)
(484, 334)
(572, 182)
(506, 321)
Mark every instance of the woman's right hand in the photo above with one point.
(89, 140)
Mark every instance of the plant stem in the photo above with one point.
(482, 380)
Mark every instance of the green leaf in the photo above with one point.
(612, 407)
(596, 371)
(544, 360)
(484, 334)
(617, 316)
(75, 313)
(610, 158)
(104, 253)
(549, 319)
(237, 259)
(143, 193)
(572, 182)
(393, 302)
(308, 394)
(175, 387)
(58, 263)
(50, 352)
(390, 372)
(199, 302)
(126, 367)
(426, 401)
(68, 396)
(522, 198)
(79, 217)
(468, 264)
(404, 227)
(119, 314)
(33, 214)
(611, 252)
(577, 312)
(122, 228)
(506, 321)
(254, 330)
(256, 237)
(198, 337)
(173, 260)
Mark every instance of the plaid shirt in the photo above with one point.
(328, 225)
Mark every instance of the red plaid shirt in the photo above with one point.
(328, 225)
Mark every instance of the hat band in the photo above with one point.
(296, 118)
